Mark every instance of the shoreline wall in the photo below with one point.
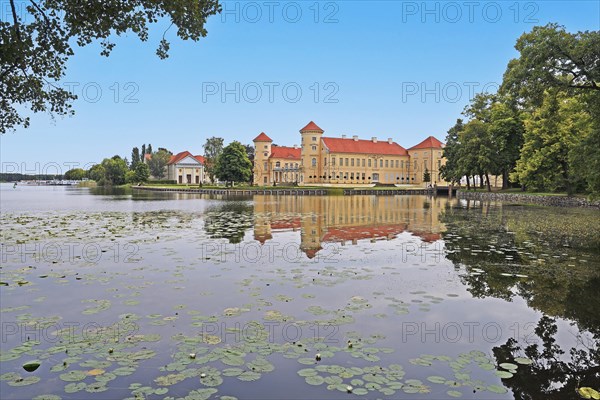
(555, 201)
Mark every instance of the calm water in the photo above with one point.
(121, 295)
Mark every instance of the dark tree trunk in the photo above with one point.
(487, 178)
(468, 183)
(504, 179)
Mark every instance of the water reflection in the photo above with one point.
(550, 259)
(341, 219)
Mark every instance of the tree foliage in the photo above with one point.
(75, 174)
(158, 162)
(552, 134)
(38, 41)
(233, 164)
(543, 127)
(552, 57)
(212, 150)
(142, 172)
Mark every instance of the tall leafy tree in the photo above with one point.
(212, 150)
(135, 157)
(142, 172)
(233, 164)
(551, 57)
(149, 149)
(453, 171)
(157, 163)
(115, 170)
(38, 42)
(551, 136)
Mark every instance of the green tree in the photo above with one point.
(212, 150)
(157, 163)
(452, 170)
(75, 174)
(426, 176)
(97, 173)
(144, 152)
(551, 57)
(477, 151)
(149, 149)
(115, 171)
(552, 134)
(233, 164)
(142, 172)
(37, 45)
(135, 158)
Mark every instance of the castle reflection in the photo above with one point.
(341, 219)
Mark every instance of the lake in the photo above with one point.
(113, 294)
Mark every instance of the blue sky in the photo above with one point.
(370, 68)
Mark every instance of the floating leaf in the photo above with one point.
(588, 393)
(31, 366)
(523, 361)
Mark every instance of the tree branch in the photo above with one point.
(16, 20)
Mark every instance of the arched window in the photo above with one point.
(314, 162)
(277, 164)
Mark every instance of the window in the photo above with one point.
(266, 153)
(369, 163)
(325, 161)
(314, 162)
(346, 162)
(314, 138)
(402, 164)
(277, 164)
(387, 163)
(381, 163)
(266, 147)
(286, 165)
(265, 166)
(314, 148)
(397, 162)
(363, 174)
(415, 164)
(363, 162)
(352, 175)
(439, 164)
(333, 161)
(352, 162)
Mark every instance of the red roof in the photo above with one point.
(362, 232)
(311, 127)
(180, 156)
(285, 152)
(429, 143)
(262, 138)
(338, 145)
(200, 158)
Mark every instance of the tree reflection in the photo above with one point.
(553, 374)
(551, 259)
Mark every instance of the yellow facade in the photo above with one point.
(317, 164)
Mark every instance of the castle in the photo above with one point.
(322, 160)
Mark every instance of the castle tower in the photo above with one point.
(262, 152)
(312, 170)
